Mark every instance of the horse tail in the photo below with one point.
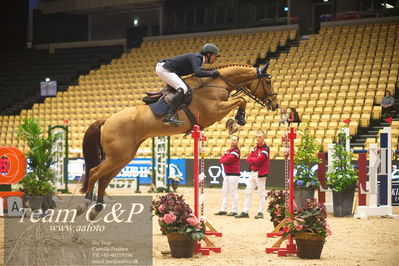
(92, 151)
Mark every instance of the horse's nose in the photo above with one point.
(274, 108)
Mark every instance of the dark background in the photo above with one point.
(31, 21)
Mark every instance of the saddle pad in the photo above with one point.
(161, 107)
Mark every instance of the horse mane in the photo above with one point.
(234, 65)
(222, 67)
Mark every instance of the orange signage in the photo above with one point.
(12, 165)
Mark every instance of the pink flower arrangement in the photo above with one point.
(276, 207)
(161, 208)
(192, 221)
(298, 226)
(311, 218)
(169, 218)
(176, 216)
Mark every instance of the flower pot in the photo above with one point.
(181, 246)
(48, 202)
(35, 202)
(302, 194)
(41, 202)
(343, 202)
(310, 245)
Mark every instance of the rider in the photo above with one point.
(171, 69)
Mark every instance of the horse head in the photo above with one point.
(262, 89)
(253, 82)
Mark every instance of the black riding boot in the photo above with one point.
(170, 117)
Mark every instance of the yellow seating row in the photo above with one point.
(325, 88)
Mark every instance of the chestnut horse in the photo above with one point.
(108, 145)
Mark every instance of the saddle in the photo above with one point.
(159, 102)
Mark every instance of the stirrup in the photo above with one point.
(172, 121)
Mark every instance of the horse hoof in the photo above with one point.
(98, 207)
(234, 128)
(82, 207)
(92, 215)
(229, 123)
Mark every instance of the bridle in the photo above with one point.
(265, 101)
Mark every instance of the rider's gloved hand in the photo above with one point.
(215, 73)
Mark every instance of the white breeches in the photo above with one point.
(230, 186)
(170, 78)
(254, 182)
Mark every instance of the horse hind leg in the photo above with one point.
(102, 185)
(97, 173)
(104, 182)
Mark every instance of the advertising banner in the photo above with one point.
(214, 173)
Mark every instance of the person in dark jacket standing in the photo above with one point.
(231, 165)
(258, 160)
(171, 69)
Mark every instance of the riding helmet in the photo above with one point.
(210, 48)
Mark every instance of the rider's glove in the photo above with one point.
(215, 73)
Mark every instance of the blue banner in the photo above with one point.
(143, 168)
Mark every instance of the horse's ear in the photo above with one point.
(264, 69)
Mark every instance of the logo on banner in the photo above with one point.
(5, 165)
(175, 171)
(142, 168)
(137, 168)
(12, 165)
(215, 172)
(395, 193)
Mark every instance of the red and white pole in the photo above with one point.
(291, 247)
(196, 136)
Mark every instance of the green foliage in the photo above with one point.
(40, 156)
(33, 186)
(311, 218)
(305, 159)
(343, 174)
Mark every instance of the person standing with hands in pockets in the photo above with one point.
(258, 160)
(231, 165)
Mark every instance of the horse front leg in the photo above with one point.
(233, 125)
